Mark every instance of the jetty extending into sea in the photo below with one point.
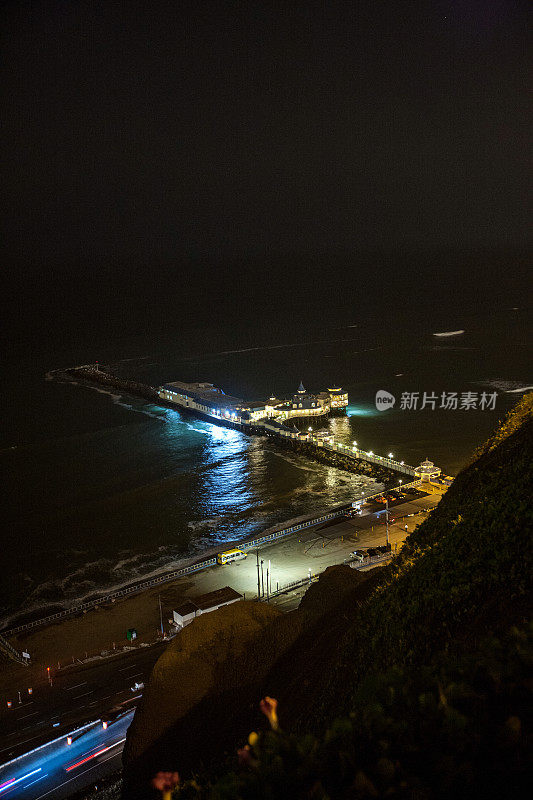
(275, 418)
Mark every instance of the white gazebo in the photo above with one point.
(427, 471)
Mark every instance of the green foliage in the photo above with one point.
(519, 414)
(473, 552)
(456, 729)
(432, 691)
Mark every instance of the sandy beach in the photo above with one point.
(102, 632)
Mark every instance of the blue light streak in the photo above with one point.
(13, 781)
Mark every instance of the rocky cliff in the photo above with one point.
(463, 578)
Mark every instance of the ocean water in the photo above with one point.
(102, 489)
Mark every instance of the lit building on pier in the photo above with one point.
(338, 400)
(310, 405)
(305, 401)
(207, 400)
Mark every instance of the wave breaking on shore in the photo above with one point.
(105, 576)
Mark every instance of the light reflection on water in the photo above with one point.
(226, 484)
(362, 411)
(120, 481)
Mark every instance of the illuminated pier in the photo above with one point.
(275, 417)
(272, 417)
(208, 401)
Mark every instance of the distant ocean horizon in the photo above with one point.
(103, 489)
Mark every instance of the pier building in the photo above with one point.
(204, 399)
(305, 404)
(338, 400)
(212, 403)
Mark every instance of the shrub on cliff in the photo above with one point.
(457, 729)
(430, 688)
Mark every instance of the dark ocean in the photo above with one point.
(101, 489)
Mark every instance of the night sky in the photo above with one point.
(140, 137)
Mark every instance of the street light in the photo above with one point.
(390, 455)
(355, 444)
(309, 429)
(370, 453)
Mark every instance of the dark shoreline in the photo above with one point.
(93, 377)
(99, 596)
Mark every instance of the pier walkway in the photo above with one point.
(354, 453)
(271, 426)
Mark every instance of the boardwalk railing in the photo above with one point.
(338, 512)
(108, 598)
(178, 573)
(289, 587)
(352, 452)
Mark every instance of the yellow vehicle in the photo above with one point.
(230, 555)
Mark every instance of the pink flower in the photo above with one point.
(165, 782)
(268, 706)
(246, 758)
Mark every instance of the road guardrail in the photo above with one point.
(178, 573)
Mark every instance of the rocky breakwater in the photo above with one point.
(101, 377)
(340, 460)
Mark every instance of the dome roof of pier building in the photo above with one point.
(304, 399)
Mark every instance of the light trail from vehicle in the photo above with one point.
(98, 753)
(52, 770)
(13, 781)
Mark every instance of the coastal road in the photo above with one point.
(86, 692)
(58, 769)
(80, 692)
(77, 694)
